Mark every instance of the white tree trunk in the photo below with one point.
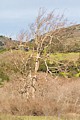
(37, 63)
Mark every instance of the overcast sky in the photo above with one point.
(15, 15)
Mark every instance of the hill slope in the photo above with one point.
(69, 41)
(7, 43)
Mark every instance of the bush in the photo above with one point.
(3, 77)
(42, 66)
(62, 68)
(2, 49)
(71, 69)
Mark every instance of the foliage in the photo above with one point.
(2, 50)
(3, 77)
(60, 64)
(62, 68)
(42, 66)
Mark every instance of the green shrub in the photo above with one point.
(62, 68)
(2, 50)
(3, 77)
(70, 69)
(42, 66)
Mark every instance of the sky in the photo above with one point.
(16, 15)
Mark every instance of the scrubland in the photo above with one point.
(58, 96)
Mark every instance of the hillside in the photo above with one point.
(69, 41)
(71, 38)
(7, 43)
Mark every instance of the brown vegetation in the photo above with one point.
(54, 97)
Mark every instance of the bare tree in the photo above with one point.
(46, 28)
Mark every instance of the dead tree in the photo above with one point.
(45, 28)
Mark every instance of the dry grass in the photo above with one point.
(52, 97)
